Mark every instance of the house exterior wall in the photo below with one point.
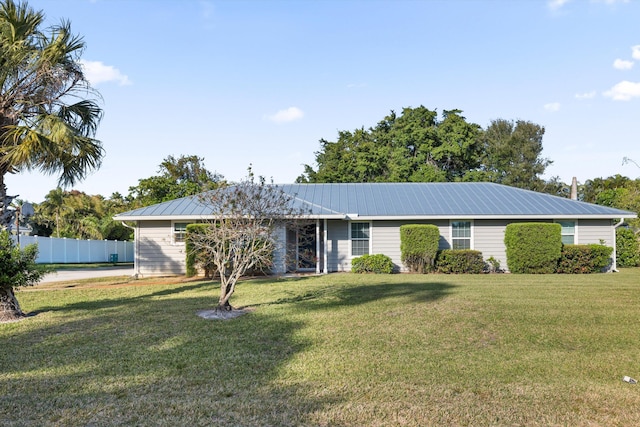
(157, 255)
(594, 230)
(487, 237)
(338, 256)
(385, 239)
(280, 253)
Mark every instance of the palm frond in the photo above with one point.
(48, 112)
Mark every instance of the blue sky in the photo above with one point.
(261, 82)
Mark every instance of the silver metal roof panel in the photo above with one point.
(405, 200)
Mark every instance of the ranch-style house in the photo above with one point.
(350, 220)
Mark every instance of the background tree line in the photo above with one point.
(74, 214)
(416, 146)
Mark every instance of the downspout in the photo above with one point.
(318, 246)
(136, 272)
(615, 244)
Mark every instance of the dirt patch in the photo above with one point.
(223, 314)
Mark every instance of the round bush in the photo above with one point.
(379, 264)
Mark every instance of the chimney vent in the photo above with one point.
(574, 189)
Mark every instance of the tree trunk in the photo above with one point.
(224, 306)
(4, 219)
(226, 290)
(9, 306)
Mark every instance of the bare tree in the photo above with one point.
(242, 233)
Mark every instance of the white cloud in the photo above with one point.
(556, 4)
(552, 107)
(97, 72)
(285, 116)
(623, 91)
(621, 64)
(586, 95)
(610, 1)
(635, 51)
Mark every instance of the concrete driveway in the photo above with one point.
(86, 273)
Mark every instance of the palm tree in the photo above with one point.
(48, 109)
(55, 204)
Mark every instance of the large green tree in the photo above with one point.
(48, 110)
(616, 191)
(420, 146)
(512, 154)
(416, 145)
(178, 177)
(75, 214)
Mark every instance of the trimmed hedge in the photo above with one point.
(533, 247)
(627, 248)
(419, 246)
(458, 261)
(379, 264)
(584, 259)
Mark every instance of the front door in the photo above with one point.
(306, 248)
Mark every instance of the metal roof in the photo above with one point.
(404, 201)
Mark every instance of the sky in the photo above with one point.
(260, 82)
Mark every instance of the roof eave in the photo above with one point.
(202, 217)
(518, 217)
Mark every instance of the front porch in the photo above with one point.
(306, 245)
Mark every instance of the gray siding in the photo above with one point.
(280, 253)
(488, 238)
(157, 256)
(385, 239)
(593, 230)
(339, 258)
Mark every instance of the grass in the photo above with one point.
(335, 350)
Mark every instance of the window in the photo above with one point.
(179, 232)
(461, 235)
(568, 232)
(359, 238)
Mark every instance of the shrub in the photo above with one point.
(627, 248)
(581, 259)
(493, 265)
(459, 261)
(197, 260)
(419, 246)
(533, 247)
(379, 264)
(17, 268)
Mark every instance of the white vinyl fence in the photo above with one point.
(67, 251)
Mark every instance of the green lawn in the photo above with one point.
(336, 350)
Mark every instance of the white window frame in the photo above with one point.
(174, 232)
(351, 238)
(575, 230)
(470, 238)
